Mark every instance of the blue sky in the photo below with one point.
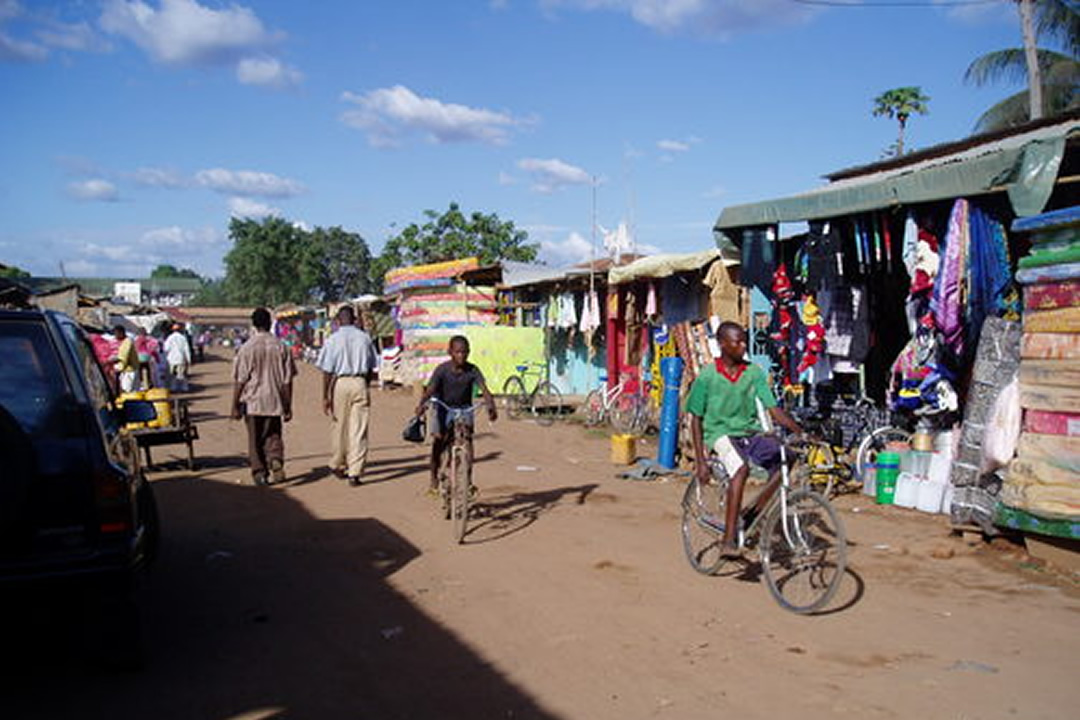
(132, 130)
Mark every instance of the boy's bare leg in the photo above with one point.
(734, 501)
(438, 444)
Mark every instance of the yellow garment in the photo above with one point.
(727, 300)
(127, 357)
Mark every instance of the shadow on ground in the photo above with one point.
(257, 609)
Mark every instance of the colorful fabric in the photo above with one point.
(1050, 346)
(948, 300)
(1048, 296)
(1060, 320)
(1051, 256)
(1048, 273)
(1052, 423)
(432, 275)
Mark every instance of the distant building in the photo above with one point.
(162, 292)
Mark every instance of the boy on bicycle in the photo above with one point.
(454, 383)
(723, 407)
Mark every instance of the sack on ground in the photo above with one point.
(414, 430)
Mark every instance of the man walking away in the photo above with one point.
(263, 373)
(178, 355)
(348, 364)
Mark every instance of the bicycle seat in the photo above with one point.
(522, 368)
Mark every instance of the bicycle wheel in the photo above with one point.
(459, 492)
(593, 408)
(803, 552)
(513, 396)
(546, 403)
(703, 525)
(875, 442)
(626, 414)
(444, 481)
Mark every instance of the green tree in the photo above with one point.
(336, 265)
(900, 103)
(212, 294)
(12, 272)
(1054, 74)
(450, 236)
(170, 271)
(262, 268)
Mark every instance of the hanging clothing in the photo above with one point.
(758, 257)
(847, 324)
(650, 301)
(725, 296)
(948, 299)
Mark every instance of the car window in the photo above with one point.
(31, 379)
(96, 384)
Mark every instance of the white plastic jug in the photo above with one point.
(946, 500)
(907, 490)
(930, 495)
(869, 484)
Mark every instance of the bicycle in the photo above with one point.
(626, 412)
(799, 538)
(544, 402)
(455, 469)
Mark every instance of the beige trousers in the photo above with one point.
(349, 432)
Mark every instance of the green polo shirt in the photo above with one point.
(726, 406)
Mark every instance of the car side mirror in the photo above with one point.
(137, 411)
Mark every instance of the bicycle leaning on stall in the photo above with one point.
(799, 539)
(455, 470)
(543, 402)
(627, 412)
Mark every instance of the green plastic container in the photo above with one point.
(887, 469)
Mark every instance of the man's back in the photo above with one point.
(265, 368)
(349, 351)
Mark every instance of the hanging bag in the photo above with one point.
(415, 430)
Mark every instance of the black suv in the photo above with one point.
(75, 508)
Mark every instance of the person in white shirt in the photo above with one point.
(178, 356)
(348, 364)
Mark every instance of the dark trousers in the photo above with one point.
(265, 441)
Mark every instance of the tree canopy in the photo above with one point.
(274, 261)
(900, 103)
(170, 271)
(1056, 22)
(12, 272)
(453, 235)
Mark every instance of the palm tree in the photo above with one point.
(900, 103)
(1053, 74)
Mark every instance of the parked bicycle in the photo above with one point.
(627, 412)
(543, 402)
(455, 471)
(799, 539)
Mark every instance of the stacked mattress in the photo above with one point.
(1042, 489)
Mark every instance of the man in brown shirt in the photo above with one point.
(263, 371)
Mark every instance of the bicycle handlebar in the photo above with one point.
(454, 413)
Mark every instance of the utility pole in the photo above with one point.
(1027, 28)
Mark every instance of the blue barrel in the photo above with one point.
(671, 370)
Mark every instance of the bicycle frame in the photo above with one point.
(455, 490)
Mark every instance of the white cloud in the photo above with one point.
(177, 239)
(552, 174)
(703, 17)
(673, 146)
(183, 32)
(72, 36)
(94, 189)
(160, 177)
(247, 208)
(571, 250)
(248, 183)
(389, 114)
(21, 50)
(267, 72)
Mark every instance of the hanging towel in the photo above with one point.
(911, 242)
(650, 301)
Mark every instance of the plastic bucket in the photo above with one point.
(124, 397)
(886, 470)
(623, 449)
(160, 398)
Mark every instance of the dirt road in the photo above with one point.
(570, 599)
